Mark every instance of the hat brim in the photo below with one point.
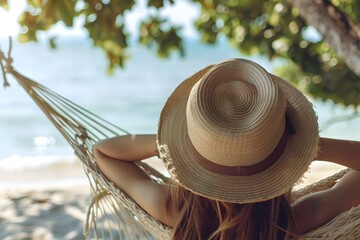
(179, 156)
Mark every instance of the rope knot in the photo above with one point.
(81, 136)
(8, 64)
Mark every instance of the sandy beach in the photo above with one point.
(44, 214)
(57, 211)
(43, 203)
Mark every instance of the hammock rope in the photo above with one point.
(111, 213)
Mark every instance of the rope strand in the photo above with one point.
(6, 64)
(3, 69)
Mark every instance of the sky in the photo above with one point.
(10, 27)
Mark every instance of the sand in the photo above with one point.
(57, 211)
(43, 214)
(43, 203)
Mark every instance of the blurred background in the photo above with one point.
(122, 59)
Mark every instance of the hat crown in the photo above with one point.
(235, 114)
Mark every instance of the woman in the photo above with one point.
(235, 139)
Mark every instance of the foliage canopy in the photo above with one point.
(272, 28)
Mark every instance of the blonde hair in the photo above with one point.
(203, 218)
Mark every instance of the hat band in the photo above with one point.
(253, 169)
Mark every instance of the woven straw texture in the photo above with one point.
(112, 214)
(214, 111)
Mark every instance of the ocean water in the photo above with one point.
(131, 98)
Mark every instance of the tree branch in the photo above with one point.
(337, 29)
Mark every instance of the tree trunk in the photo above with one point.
(337, 29)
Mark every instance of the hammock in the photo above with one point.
(111, 213)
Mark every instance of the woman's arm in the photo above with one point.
(318, 208)
(130, 148)
(116, 156)
(343, 152)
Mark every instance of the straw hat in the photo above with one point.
(233, 132)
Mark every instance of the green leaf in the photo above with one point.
(4, 4)
(156, 33)
(65, 11)
(156, 3)
(49, 10)
(120, 6)
(269, 28)
(35, 3)
(28, 37)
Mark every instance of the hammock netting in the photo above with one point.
(111, 213)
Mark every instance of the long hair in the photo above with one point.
(203, 218)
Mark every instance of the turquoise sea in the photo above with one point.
(131, 98)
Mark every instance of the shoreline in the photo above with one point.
(62, 173)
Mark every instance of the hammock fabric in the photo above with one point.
(111, 213)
